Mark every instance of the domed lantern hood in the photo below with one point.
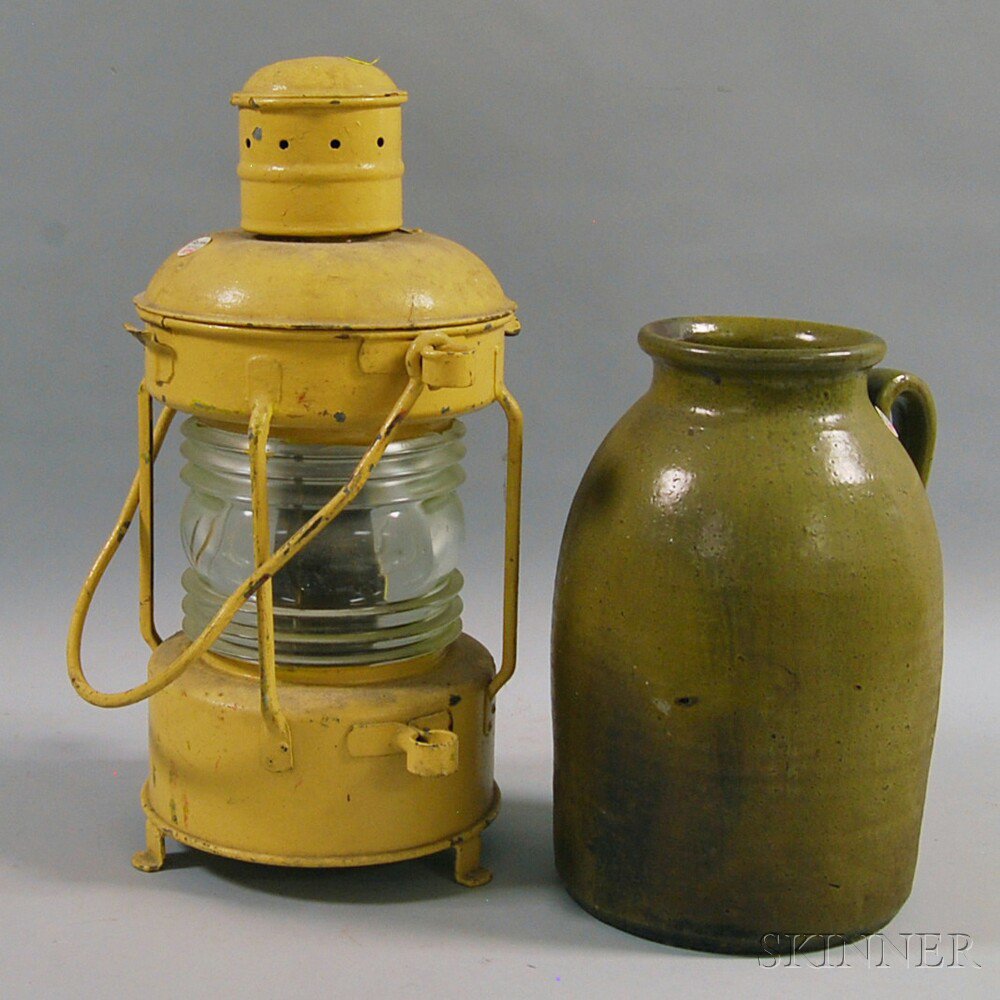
(404, 280)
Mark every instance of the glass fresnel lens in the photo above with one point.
(320, 705)
(380, 583)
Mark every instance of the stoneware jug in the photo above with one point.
(746, 646)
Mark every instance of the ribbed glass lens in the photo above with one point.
(378, 584)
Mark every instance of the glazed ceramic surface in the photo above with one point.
(746, 645)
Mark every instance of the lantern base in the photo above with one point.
(466, 845)
(356, 794)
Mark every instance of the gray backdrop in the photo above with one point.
(613, 164)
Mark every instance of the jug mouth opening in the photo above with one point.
(759, 344)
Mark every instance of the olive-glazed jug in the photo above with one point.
(746, 648)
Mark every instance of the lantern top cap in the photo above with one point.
(321, 149)
(319, 80)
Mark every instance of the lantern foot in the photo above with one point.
(155, 854)
(468, 871)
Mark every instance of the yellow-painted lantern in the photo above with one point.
(321, 705)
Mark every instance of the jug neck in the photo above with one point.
(707, 393)
(723, 358)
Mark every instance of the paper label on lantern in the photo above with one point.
(195, 244)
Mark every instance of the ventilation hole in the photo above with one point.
(334, 144)
(283, 144)
(380, 141)
(248, 143)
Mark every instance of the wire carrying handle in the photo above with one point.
(250, 586)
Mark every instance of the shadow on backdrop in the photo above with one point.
(74, 818)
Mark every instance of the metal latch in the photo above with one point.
(431, 749)
(440, 361)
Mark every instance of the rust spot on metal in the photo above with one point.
(312, 529)
(254, 587)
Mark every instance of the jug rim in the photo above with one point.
(760, 344)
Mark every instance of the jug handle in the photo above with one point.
(906, 402)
